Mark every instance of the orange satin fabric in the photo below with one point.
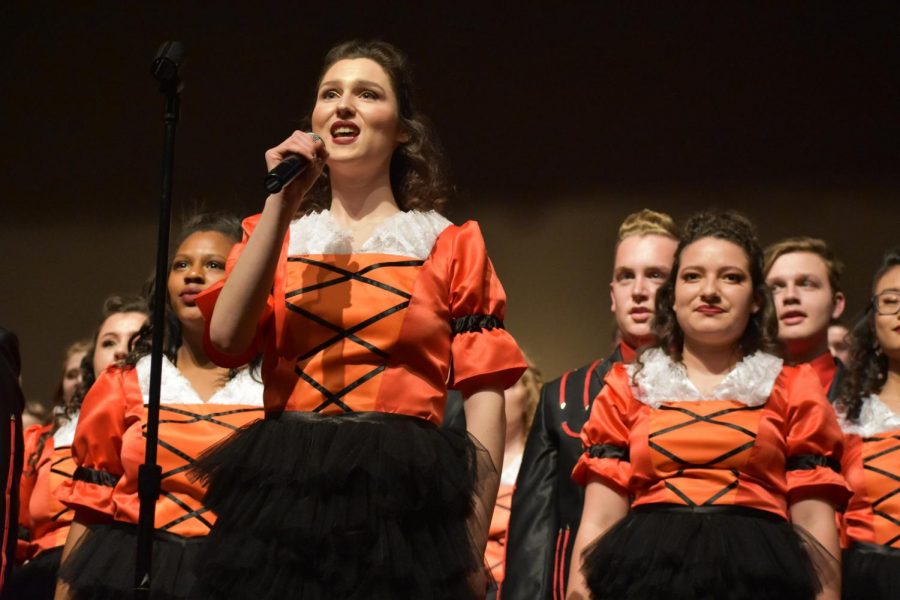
(825, 368)
(495, 552)
(110, 438)
(40, 512)
(374, 331)
(716, 452)
(872, 468)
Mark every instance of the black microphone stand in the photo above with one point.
(165, 70)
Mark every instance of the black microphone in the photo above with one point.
(168, 58)
(285, 172)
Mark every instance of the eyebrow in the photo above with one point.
(356, 83)
(717, 270)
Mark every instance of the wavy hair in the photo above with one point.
(418, 171)
(867, 367)
(762, 329)
(111, 306)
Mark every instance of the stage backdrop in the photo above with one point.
(558, 121)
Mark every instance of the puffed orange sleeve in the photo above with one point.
(33, 442)
(97, 446)
(206, 302)
(814, 441)
(605, 436)
(483, 353)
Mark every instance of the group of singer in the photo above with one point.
(344, 415)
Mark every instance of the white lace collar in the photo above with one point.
(65, 434)
(411, 233)
(875, 417)
(176, 389)
(663, 380)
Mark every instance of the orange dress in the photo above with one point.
(350, 484)
(48, 464)
(110, 443)
(764, 451)
(388, 328)
(872, 466)
(710, 479)
(495, 553)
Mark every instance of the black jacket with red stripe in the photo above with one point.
(546, 505)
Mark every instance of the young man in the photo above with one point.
(805, 279)
(546, 505)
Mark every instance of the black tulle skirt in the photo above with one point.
(101, 566)
(357, 506)
(36, 579)
(871, 572)
(660, 551)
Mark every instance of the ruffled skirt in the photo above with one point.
(356, 506)
(36, 579)
(871, 572)
(662, 551)
(101, 566)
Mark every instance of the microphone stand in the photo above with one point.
(165, 70)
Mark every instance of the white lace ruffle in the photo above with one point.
(662, 380)
(410, 233)
(65, 435)
(874, 418)
(176, 389)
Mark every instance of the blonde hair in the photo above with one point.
(648, 222)
(812, 245)
(533, 381)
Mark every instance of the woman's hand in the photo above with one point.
(603, 508)
(311, 147)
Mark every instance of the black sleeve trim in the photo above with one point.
(608, 451)
(476, 323)
(95, 476)
(806, 462)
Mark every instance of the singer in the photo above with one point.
(367, 304)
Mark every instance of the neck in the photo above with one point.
(805, 350)
(355, 199)
(191, 353)
(709, 360)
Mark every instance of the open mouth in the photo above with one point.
(344, 131)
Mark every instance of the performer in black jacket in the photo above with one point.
(12, 403)
(546, 506)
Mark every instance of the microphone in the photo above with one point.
(168, 58)
(285, 172)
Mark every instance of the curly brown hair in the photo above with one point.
(762, 329)
(418, 168)
(867, 368)
(111, 306)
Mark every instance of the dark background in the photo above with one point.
(558, 118)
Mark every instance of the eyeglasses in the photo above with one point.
(887, 302)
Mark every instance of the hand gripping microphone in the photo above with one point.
(285, 171)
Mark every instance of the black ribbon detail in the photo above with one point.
(806, 462)
(95, 476)
(608, 451)
(476, 323)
